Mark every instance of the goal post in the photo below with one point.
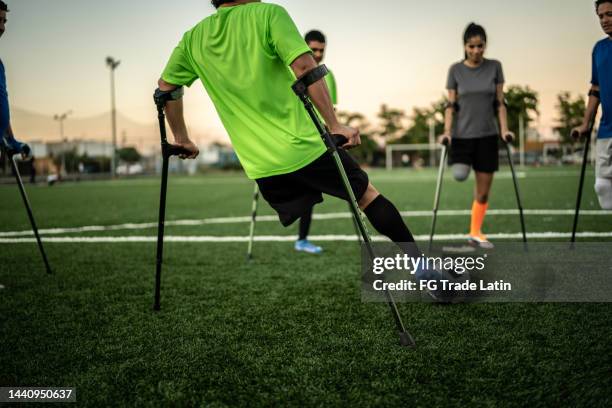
(418, 155)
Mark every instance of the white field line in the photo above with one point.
(287, 238)
(274, 218)
(416, 177)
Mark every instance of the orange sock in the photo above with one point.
(478, 215)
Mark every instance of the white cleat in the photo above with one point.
(480, 241)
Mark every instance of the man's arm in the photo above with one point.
(592, 105)
(319, 94)
(176, 120)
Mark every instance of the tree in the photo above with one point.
(521, 101)
(353, 119)
(129, 155)
(366, 152)
(418, 132)
(391, 121)
(437, 112)
(570, 112)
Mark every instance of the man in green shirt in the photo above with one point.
(316, 42)
(247, 56)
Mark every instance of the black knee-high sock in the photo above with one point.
(386, 219)
(305, 225)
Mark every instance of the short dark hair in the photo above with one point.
(217, 3)
(600, 2)
(315, 35)
(3, 6)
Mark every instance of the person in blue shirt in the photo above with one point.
(7, 139)
(601, 93)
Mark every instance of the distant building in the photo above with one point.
(39, 149)
(218, 155)
(81, 148)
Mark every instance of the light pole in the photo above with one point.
(112, 64)
(61, 118)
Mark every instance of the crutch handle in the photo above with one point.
(577, 135)
(509, 138)
(339, 140)
(170, 150)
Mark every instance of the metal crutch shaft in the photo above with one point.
(585, 159)
(253, 220)
(300, 88)
(438, 192)
(168, 150)
(28, 207)
(518, 195)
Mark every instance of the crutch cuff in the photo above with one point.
(162, 97)
(303, 82)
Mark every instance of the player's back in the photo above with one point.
(242, 55)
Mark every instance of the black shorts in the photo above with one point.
(293, 194)
(481, 153)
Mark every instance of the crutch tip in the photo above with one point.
(156, 308)
(406, 340)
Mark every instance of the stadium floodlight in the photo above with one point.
(61, 118)
(112, 64)
(585, 159)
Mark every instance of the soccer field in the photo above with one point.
(286, 328)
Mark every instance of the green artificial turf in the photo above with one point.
(287, 328)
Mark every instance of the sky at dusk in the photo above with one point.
(396, 52)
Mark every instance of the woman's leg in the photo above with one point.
(481, 201)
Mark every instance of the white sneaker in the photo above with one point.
(480, 241)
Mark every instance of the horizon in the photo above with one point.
(404, 49)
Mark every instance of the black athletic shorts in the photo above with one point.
(294, 194)
(481, 153)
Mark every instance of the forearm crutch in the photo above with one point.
(300, 87)
(168, 150)
(516, 190)
(11, 156)
(253, 219)
(585, 159)
(438, 191)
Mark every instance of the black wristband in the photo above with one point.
(594, 93)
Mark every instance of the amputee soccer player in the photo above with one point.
(242, 55)
(475, 84)
(601, 92)
(7, 140)
(317, 43)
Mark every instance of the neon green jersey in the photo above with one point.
(242, 56)
(331, 84)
